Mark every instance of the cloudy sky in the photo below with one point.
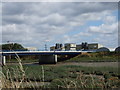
(34, 24)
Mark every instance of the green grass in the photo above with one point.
(96, 57)
(54, 72)
(23, 61)
(68, 76)
(64, 75)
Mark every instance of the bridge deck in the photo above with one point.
(41, 52)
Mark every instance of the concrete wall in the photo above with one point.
(48, 59)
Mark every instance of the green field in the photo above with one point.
(96, 57)
(64, 76)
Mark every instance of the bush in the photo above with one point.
(98, 72)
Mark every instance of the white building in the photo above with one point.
(31, 48)
(70, 46)
(94, 46)
(52, 48)
(91, 46)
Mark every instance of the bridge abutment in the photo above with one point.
(48, 59)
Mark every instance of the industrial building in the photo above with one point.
(78, 47)
(117, 49)
(57, 47)
(103, 49)
(92, 46)
(52, 48)
(74, 47)
(31, 48)
(70, 46)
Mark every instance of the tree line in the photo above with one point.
(12, 46)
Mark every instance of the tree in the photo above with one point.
(13, 46)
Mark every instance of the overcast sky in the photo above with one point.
(34, 24)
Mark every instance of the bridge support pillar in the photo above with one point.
(3, 60)
(48, 59)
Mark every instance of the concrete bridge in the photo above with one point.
(45, 56)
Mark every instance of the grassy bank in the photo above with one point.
(22, 60)
(64, 76)
(96, 57)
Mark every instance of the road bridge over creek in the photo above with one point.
(45, 56)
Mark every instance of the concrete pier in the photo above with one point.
(3, 60)
(48, 59)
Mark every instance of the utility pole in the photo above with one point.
(46, 44)
(45, 47)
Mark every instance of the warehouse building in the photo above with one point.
(92, 46)
(57, 47)
(74, 47)
(117, 49)
(78, 47)
(103, 49)
(52, 48)
(70, 46)
(31, 48)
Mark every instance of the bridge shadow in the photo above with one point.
(60, 58)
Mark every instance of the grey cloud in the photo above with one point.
(40, 21)
(80, 8)
(49, 12)
(13, 8)
(16, 19)
(64, 9)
